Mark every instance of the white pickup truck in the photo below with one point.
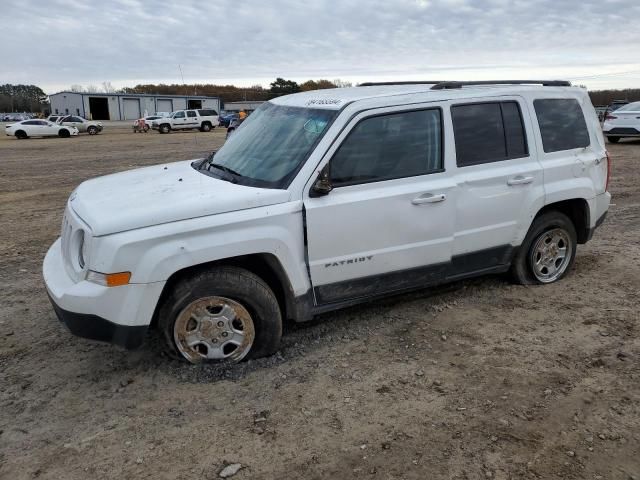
(324, 199)
(204, 119)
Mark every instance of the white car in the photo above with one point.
(39, 128)
(147, 121)
(325, 199)
(622, 122)
(82, 124)
(204, 119)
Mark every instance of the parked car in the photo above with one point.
(54, 118)
(325, 199)
(39, 128)
(227, 118)
(82, 124)
(144, 124)
(623, 122)
(234, 125)
(203, 119)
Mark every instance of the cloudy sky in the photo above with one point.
(57, 43)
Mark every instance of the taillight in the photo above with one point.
(606, 184)
(610, 117)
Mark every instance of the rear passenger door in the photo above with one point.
(499, 180)
(192, 119)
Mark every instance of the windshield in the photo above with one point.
(630, 107)
(271, 145)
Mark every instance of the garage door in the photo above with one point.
(131, 108)
(165, 105)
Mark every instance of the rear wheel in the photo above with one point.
(224, 314)
(64, 133)
(206, 126)
(21, 134)
(164, 128)
(92, 130)
(613, 139)
(548, 251)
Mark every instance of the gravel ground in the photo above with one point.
(479, 379)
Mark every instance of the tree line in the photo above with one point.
(31, 98)
(21, 98)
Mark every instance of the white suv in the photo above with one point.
(324, 199)
(203, 119)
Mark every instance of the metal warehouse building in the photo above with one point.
(124, 106)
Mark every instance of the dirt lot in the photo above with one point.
(482, 379)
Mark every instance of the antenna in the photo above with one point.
(184, 87)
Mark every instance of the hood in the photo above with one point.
(161, 194)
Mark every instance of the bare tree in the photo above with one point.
(77, 88)
(92, 89)
(342, 83)
(107, 87)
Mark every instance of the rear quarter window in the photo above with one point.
(562, 124)
(207, 113)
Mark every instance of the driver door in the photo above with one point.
(388, 223)
(179, 120)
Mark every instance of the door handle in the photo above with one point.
(429, 198)
(519, 180)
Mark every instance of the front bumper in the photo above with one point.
(98, 328)
(118, 315)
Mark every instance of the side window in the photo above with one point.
(30, 122)
(562, 124)
(390, 146)
(76, 119)
(179, 115)
(191, 114)
(488, 132)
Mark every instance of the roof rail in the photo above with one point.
(544, 83)
(413, 82)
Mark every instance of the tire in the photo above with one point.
(92, 130)
(231, 295)
(21, 135)
(613, 139)
(541, 250)
(64, 133)
(206, 127)
(164, 128)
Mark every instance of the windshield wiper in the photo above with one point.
(224, 169)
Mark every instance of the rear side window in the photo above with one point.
(390, 146)
(191, 113)
(488, 132)
(562, 124)
(207, 113)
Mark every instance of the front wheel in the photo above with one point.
(613, 139)
(224, 314)
(64, 133)
(92, 130)
(548, 251)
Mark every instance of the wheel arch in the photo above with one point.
(578, 211)
(265, 265)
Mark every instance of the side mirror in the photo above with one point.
(322, 186)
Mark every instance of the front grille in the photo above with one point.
(623, 131)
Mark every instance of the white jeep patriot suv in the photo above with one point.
(203, 119)
(328, 198)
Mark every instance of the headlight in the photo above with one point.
(78, 250)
